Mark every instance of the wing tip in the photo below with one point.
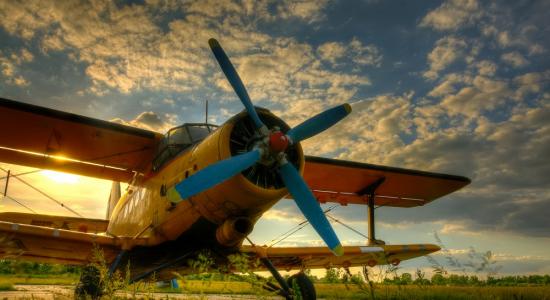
(347, 107)
(213, 43)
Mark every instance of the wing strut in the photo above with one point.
(42, 193)
(7, 182)
(370, 192)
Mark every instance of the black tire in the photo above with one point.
(89, 285)
(304, 284)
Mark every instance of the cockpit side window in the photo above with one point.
(198, 133)
(178, 139)
(179, 136)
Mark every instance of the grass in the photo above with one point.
(38, 279)
(213, 287)
(340, 291)
(6, 287)
(324, 290)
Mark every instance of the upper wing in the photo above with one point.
(322, 257)
(44, 138)
(350, 182)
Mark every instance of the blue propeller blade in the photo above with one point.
(310, 207)
(235, 81)
(216, 173)
(318, 123)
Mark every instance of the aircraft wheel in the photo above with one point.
(89, 285)
(304, 284)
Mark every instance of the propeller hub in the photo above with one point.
(278, 141)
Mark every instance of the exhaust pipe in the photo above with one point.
(233, 231)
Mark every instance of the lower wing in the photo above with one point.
(354, 256)
(58, 222)
(53, 245)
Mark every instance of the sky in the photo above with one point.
(459, 87)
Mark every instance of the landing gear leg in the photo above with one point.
(300, 282)
(285, 289)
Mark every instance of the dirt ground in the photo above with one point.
(61, 292)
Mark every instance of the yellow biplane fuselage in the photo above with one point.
(145, 214)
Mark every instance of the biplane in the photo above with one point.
(201, 187)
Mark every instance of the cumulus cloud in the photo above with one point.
(446, 51)
(290, 74)
(509, 29)
(125, 49)
(10, 66)
(452, 15)
(150, 121)
(372, 130)
(506, 161)
(530, 83)
(283, 216)
(482, 95)
(486, 68)
(309, 10)
(472, 121)
(515, 59)
(448, 84)
(365, 54)
(331, 51)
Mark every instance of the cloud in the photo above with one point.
(10, 66)
(531, 83)
(283, 216)
(448, 84)
(150, 121)
(331, 51)
(515, 59)
(290, 75)
(506, 161)
(473, 116)
(484, 94)
(510, 29)
(372, 130)
(368, 55)
(125, 48)
(446, 51)
(308, 10)
(455, 228)
(486, 68)
(452, 15)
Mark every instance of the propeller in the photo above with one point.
(236, 82)
(270, 148)
(217, 173)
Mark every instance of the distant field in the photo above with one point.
(327, 291)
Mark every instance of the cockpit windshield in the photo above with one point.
(178, 139)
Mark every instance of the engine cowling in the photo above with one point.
(254, 190)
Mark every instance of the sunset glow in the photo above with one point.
(59, 177)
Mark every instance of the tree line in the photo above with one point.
(8, 266)
(419, 278)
